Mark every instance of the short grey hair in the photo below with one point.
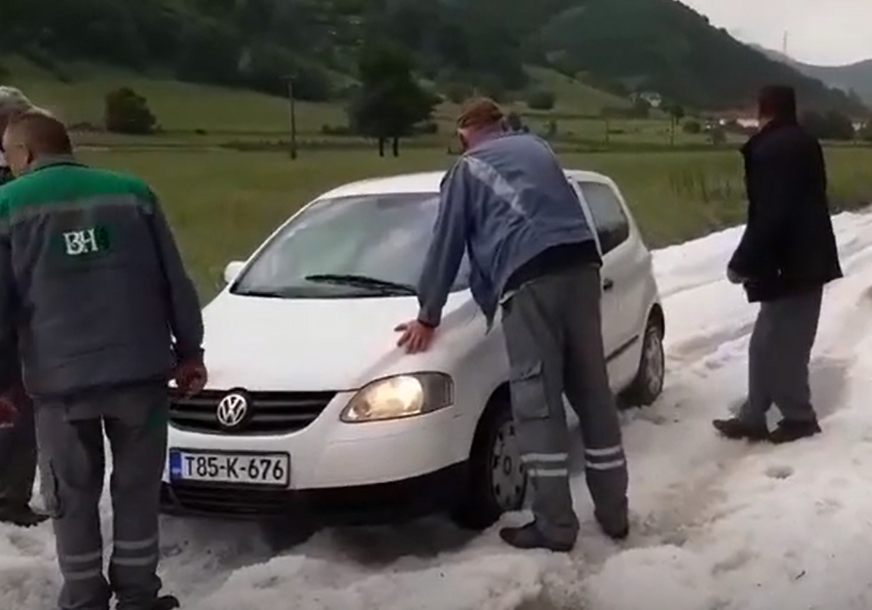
(12, 100)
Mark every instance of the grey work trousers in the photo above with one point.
(72, 466)
(553, 333)
(18, 458)
(778, 357)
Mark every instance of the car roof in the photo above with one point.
(424, 182)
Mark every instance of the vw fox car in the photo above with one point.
(312, 407)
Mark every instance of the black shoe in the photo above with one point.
(165, 602)
(735, 429)
(618, 534)
(789, 431)
(529, 537)
(21, 515)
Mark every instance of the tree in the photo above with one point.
(676, 114)
(829, 126)
(125, 111)
(541, 100)
(390, 101)
(865, 132)
(692, 127)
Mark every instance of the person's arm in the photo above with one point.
(448, 244)
(770, 197)
(183, 304)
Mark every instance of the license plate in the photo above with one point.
(268, 469)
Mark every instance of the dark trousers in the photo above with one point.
(778, 358)
(72, 464)
(553, 332)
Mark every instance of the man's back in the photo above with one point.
(526, 206)
(787, 190)
(83, 249)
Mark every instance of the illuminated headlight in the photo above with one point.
(399, 397)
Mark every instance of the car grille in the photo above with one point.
(227, 501)
(271, 412)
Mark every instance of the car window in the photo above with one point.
(608, 215)
(383, 236)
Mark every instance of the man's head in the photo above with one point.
(12, 101)
(31, 135)
(776, 103)
(478, 116)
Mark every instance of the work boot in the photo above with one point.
(529, 537)
(736, 429)
(616, 533)
(21, 515)
(789, 431)
(164, 602)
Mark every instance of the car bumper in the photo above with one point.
(380, 503)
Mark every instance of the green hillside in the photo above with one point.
(615, 45)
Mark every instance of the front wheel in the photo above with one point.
(497, 482)
(648, 383)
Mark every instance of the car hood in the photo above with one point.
(317, 345)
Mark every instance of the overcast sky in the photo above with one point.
(827, 33)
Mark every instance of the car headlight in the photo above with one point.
(399, 397)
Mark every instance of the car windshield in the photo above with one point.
(365, 245)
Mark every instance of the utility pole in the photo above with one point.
(292, 116)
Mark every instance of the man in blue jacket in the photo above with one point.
(533, 254)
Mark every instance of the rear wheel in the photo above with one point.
(648, 384)
(497, 482)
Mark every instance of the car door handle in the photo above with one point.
(608, 284)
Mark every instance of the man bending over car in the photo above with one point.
(533, 254)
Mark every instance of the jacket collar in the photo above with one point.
(51, 161)
(485, 135)
(769, 128)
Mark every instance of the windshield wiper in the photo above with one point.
(271, 294)
(365, 282)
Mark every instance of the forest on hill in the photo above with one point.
(620, 46)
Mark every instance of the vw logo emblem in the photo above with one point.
(232, 410)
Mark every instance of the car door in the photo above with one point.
(618, 277)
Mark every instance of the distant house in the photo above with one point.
(654, 99)
(744, 117)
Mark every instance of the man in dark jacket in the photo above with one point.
(17, 437)
(786, 256)
(98, 312)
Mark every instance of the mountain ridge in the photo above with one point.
(856, 76)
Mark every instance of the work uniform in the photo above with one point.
(89, 268)
(532, 252)
(787, 254)
(17, 448)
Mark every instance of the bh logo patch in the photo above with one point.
(86, 241)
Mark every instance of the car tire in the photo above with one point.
(496, 482)
(648, 383)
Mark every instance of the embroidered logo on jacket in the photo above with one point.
(85, 241)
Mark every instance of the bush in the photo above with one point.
(125, 111)
(336, 130)
(541, 100)
(692, 127)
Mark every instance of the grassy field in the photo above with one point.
(222, 204)
(201, 115)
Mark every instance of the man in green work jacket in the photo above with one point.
(97, 311)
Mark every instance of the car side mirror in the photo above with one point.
(232, 271)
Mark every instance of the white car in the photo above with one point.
(311, 406)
